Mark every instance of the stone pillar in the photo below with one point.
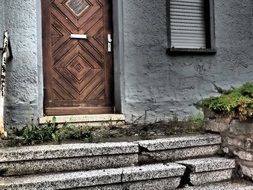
(23, 72)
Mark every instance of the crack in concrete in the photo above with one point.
(185, 179)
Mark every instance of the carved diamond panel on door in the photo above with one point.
(78, 72)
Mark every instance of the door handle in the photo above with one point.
(79, 36)
(109, 43)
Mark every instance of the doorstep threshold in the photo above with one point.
(99, 118)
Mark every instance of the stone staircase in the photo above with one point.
(188, 162)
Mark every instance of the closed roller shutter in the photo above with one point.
(187, 24)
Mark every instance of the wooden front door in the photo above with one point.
(78, 71)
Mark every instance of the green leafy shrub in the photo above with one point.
(237, 102)
(34, 134)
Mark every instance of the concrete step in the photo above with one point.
(67, 157)
(149, 177)
(83, 157)
(224, 186)
(178, 148)
(209, 170)
(86, 120)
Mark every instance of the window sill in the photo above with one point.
(187, 51)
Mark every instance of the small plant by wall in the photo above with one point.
(52, 132)
(237, 103)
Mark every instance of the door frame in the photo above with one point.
(118, 56)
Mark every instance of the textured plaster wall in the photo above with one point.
(2, 20)
(158, 85)
(22, 100)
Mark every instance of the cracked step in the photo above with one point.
(209, 170)
(149, 177)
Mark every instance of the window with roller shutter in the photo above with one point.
(191, 26)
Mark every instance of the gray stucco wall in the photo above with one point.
(164, 86)
(22, 100)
